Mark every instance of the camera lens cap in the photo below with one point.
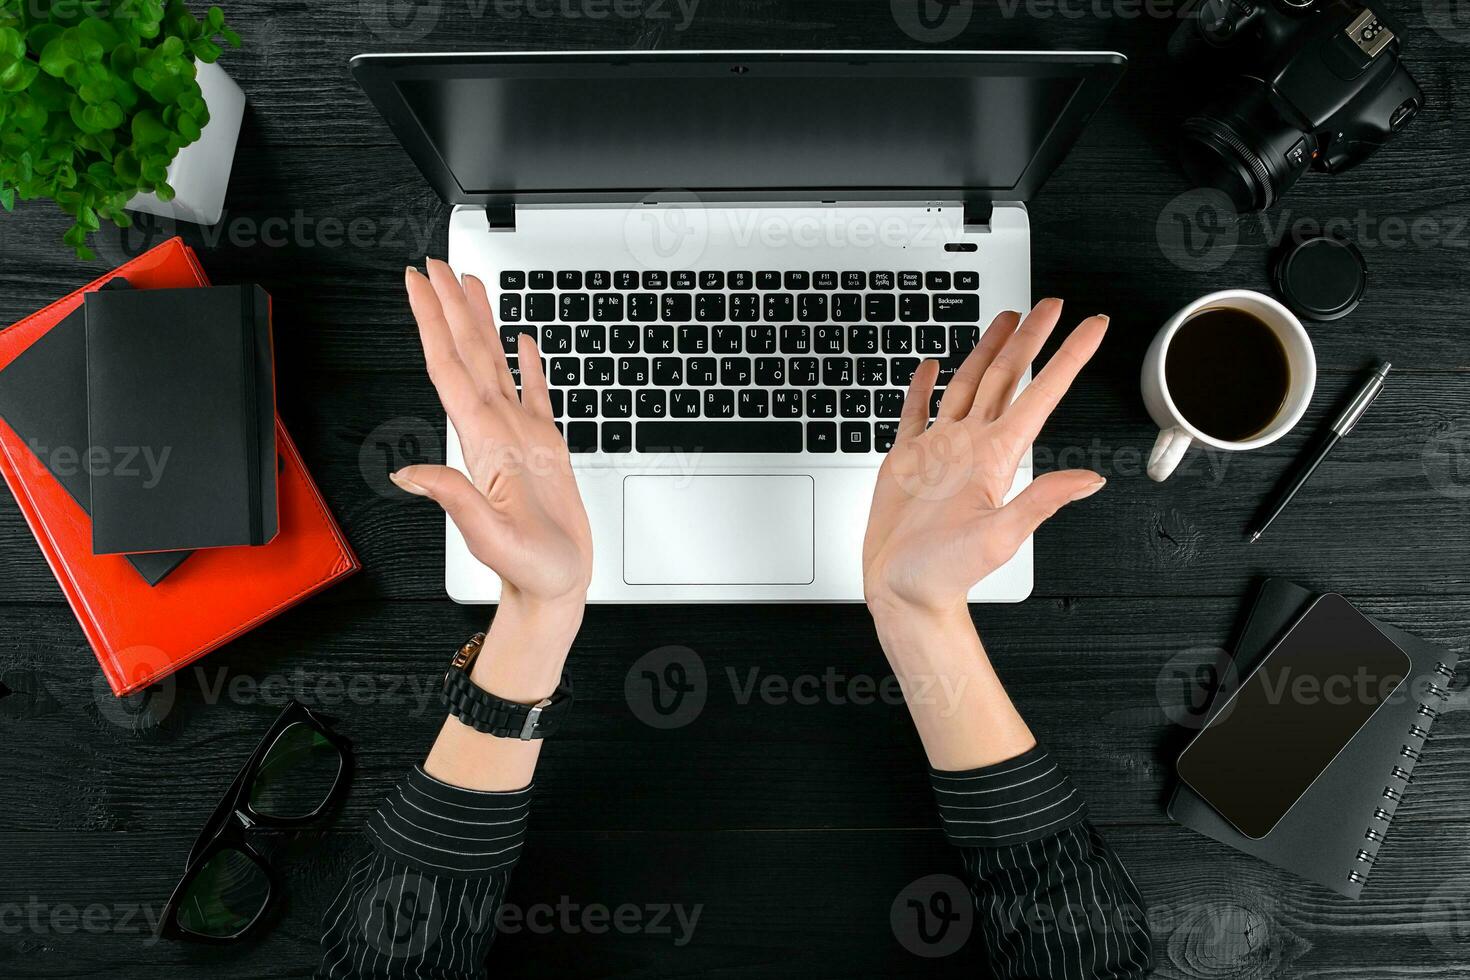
(1321, 278)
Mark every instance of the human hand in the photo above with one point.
(939, 523)
(519, 510)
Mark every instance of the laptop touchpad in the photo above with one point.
(718, 530)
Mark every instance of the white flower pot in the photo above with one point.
(200, 174)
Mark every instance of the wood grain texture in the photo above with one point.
(793, 820)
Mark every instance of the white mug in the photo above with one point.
(1176, 433)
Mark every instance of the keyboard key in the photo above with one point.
(856, 403)
(872, 371)
(677, 307)
(542, 279)
(591, 339)
(512, 280)
(711, 280)
(768, 280)
(541, 307)
(642, 307)
(510, 307)
(625, 279)
(565, 372)
(937, 280)
(931, 340)
(934, 401)
(569, 279)
(582, 403)
(786, 403)
(719, 404)
(780, 307)
(753, 403)
(967, 280)
(735, 371)
(617, 403)
(947, 367)
(879, 308)
(901, 370)
(557, 398)
(862, 339)
(650, 403)
(824, 280)
(797, 280)
(745, 307)
(963, 338)
(857, 437)
(883, 435)
(632, 371)
(683, 279)
(910, 280)
(582, 437)
(796, 339)
(599, 280)
(658, 339)
(854, 280)
(913, 307)
(741, 280)
(888, 403)
(607, 307)
(847, 307)
(617, 437)
(829, 339)
(575, 307)
(598, 371)
(729, 437)
(684, 403)
(898, 340)
(655, 279)
(760, 338)
(668, 371)
(812, 308)
(837, 372)
(770, 371)
(709, 307)
(624, 339)
(694, 339)
(700, 371)
(956, 307)
(802, 371)
(880, 280)
(821, 403)
(821, 437)
(727, 339)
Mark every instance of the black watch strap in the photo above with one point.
(485, 712)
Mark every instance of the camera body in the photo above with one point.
(1301, 84)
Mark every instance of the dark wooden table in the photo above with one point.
(791, 827)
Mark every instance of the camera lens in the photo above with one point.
(1243, 147)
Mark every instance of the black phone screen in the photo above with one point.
(1271, 738)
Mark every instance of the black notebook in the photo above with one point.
(1333, 833)
(183, 380)
(43, 397)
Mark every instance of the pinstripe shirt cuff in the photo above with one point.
(1022, 799)
(431, 826)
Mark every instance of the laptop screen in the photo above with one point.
(507, 126)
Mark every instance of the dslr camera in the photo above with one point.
(1301, 84)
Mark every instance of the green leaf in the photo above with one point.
(57, 57)
(7, 198)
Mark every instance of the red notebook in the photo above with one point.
(143, 633)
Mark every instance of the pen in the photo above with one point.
(1325, 444)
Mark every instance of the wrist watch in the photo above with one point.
(484, 712)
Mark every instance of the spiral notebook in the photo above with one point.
(1333, 834)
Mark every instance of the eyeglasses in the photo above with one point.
(296, 773)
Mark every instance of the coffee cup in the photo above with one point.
(1234, 370)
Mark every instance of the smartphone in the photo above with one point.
(1267, 743)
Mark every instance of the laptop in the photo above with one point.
(733, 262)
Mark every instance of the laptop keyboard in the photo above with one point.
(737, 361)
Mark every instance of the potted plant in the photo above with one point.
(98, 98)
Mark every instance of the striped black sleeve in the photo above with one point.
(423, 902)
(1051, 897)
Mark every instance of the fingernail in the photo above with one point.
(1089, 490)
(409, 270)
(1103, 317)
(407, 486)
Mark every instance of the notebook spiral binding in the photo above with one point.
(1402, 774)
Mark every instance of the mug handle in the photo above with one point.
(1169, 449)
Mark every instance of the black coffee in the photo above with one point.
(1227, 373)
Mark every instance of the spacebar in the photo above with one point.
(718, 437)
